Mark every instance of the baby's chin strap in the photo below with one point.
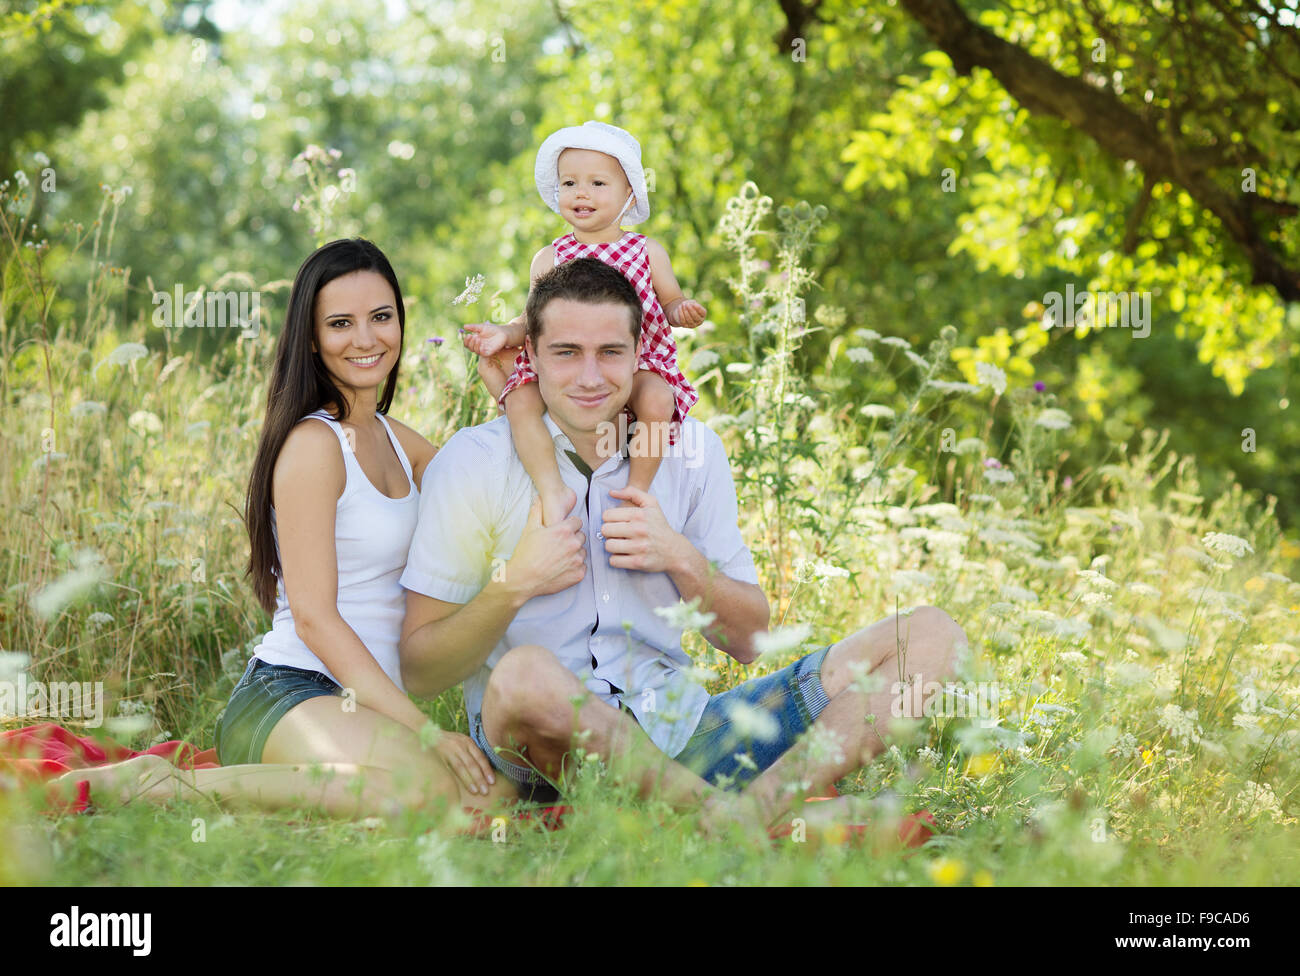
(630, 197)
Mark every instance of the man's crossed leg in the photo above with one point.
(529, 713)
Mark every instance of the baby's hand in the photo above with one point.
(686, 314)
(484, 338)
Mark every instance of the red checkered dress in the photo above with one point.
(658, 352)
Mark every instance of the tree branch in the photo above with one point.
(1111, 124)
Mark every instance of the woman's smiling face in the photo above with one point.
(358, 334)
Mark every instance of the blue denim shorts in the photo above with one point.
(792, 698)
(735, 748)
(262, 697)
(533, 786)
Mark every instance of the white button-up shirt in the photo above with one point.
(474, 503)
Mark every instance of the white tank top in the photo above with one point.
(372, 535)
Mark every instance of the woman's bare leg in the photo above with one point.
(320, 731)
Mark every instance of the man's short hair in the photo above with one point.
(587, 280)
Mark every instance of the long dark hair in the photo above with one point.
(300, 384)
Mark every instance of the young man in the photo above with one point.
(554, 631)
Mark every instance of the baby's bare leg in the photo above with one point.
(536, 451)
(654, 404)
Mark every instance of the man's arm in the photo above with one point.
(741, 608)
(444, 643)
(639, 538)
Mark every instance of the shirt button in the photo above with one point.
(600, 535)
(606, 597)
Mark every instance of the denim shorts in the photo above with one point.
(262, 697)
(723, 746)
(736, 748)
(533, 786)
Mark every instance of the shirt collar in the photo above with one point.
(563, 443)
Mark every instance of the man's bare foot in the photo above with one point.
(722, 812)
(557, 504)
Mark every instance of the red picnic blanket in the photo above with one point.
(41, 752)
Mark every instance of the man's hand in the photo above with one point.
(483, 338)
(547, 559)
(637, 536)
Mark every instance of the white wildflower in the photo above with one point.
(826, 748)
(1258, 800)
(685, 616)
(949, 386)
(127, 353)
(904, 578)
(1071, 627)
(991, 376)
(704, 359)
(1223, 542)
(87, 572)
(867, 335)
(89, 408)
(755, 724)
(999, 476)
(99, 619)
(1012, 592)
(1003, 640)
(473, 288)
(1095, 599)
(781, 639)
(1130, 674)
(13, 664)
(877, 411)
(930, 757)
(1054, 419)
(917, 361)
(896, 341)
(860, 354)
(143, 423)
(1180, 724)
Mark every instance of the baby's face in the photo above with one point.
(593, 189)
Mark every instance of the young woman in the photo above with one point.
(330, 511)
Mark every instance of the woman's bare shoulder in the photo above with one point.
(312, 457)
(419, 450)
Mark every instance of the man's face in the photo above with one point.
(585, 359)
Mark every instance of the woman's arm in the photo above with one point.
(309, 479)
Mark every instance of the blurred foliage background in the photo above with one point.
(931, 131)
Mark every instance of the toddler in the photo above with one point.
(591, 176)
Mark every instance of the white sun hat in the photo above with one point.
(609, 139)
